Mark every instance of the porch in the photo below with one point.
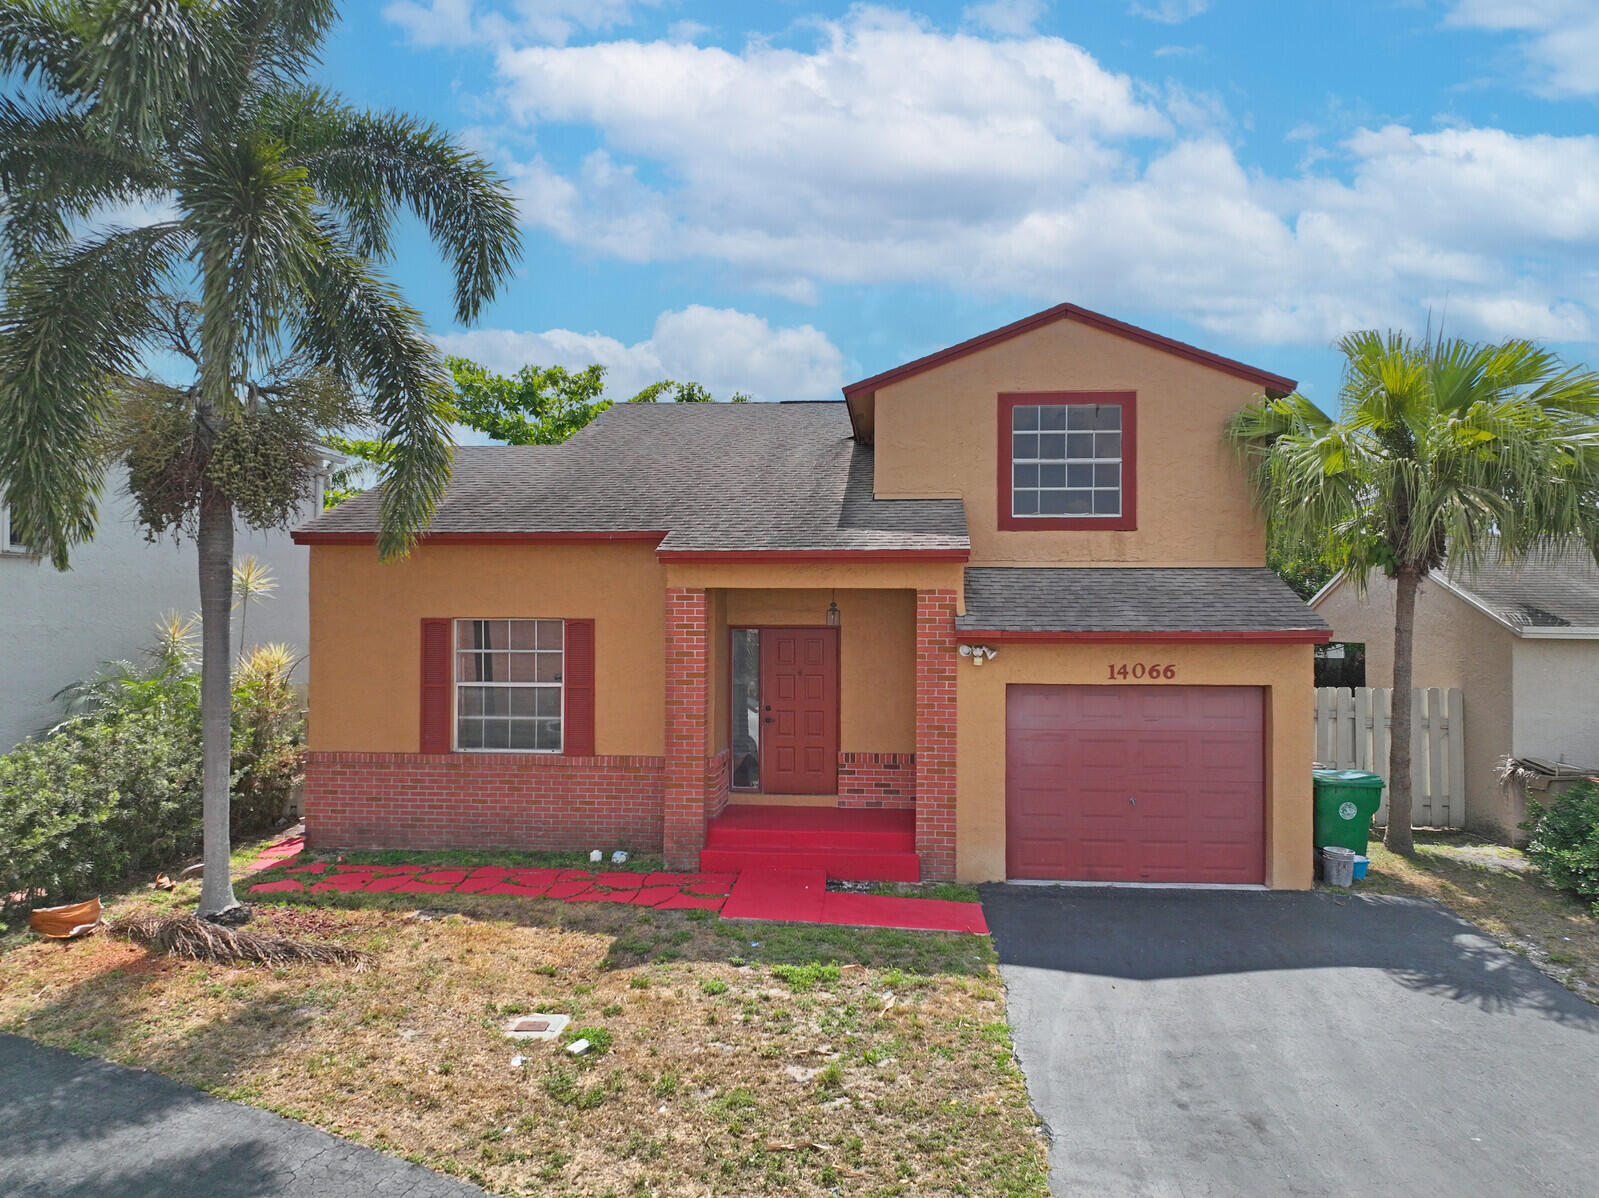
(799, 723)
(849, 844)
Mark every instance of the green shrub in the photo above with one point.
(114, 790)
(1564, 841)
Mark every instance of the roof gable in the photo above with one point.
(860, 395)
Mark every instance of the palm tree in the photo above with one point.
(271, 204)
(1442, 450)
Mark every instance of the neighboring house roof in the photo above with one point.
(1552, 594)
(858, 394)
(1082, 602)
(700, 478)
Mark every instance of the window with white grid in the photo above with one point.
(508, 676)
(1066, 460)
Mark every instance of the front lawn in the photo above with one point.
(1498, 890)
(739, 1058)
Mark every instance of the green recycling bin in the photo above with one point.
(1345, 802)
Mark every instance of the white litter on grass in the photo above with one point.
(619, 858)
(578, 1047)
(518, 1062)
(596, 857)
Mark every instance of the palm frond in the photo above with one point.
(55, 166)
(72, 319)
(357, 324)
(365, 164)
(39, 44)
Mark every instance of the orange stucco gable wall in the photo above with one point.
(937, 435)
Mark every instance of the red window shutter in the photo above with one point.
(436, 677)
(578, 733)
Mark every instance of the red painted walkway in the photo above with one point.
(792, 896)
(802, 896)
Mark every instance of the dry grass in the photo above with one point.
(743, 1059)
(1497, 889)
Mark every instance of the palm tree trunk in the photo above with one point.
(1398, 837)
(215, 544)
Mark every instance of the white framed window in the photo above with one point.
(10, 542)
(509, 685)
(1066, 460)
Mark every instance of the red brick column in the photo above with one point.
(935, 733)
(687, 742)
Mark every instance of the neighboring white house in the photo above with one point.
(57, 628)
(1521, 641)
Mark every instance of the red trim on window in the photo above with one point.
(577, 678)
(310, 536)
(811, 555)
(1274, 383)
(1312, 636)
(1128, 520)
(437, 680)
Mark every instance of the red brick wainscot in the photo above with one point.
(483, 801)
(718, 778)
(877, 780)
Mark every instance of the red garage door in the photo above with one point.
(1135, 783)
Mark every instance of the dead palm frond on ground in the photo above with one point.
(202, 940)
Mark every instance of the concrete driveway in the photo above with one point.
(1248, 1043)
(75, 1127)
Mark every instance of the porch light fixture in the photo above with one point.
(978, 653)
(832, 611)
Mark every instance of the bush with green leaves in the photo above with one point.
(114, 790)
(1564, 841)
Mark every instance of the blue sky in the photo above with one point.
(780, 197)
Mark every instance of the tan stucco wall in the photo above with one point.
(904, 574)
(366, 633)
(1556, 684)
(1284, 670)
(937, 435)
(877, 658)
(1455, 646)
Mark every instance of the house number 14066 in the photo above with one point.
(1142, 670)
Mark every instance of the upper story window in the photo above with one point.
(508, 685)
(1066, 460)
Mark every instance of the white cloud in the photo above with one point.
(1560, 39)
(1169, 12)
(892, 152)
(1008, 18)
(726, 350)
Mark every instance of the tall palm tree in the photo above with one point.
(271, 204)
(1442, 450)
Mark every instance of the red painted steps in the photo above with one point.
(850, 844)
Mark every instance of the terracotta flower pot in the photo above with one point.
(66, 922)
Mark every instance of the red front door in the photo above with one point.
(799, 711)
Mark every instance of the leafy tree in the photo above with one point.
(544, 405)
(538, 405)
(274, 204)
(1441, 450)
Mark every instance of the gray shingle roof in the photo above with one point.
(1132, 599)
(711, 476)
(1557, 588)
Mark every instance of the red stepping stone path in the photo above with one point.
(791, 896)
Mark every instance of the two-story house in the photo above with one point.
(1002, 613)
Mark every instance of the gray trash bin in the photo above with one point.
(1337, 865)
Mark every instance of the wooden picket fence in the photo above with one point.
(1352, 732)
